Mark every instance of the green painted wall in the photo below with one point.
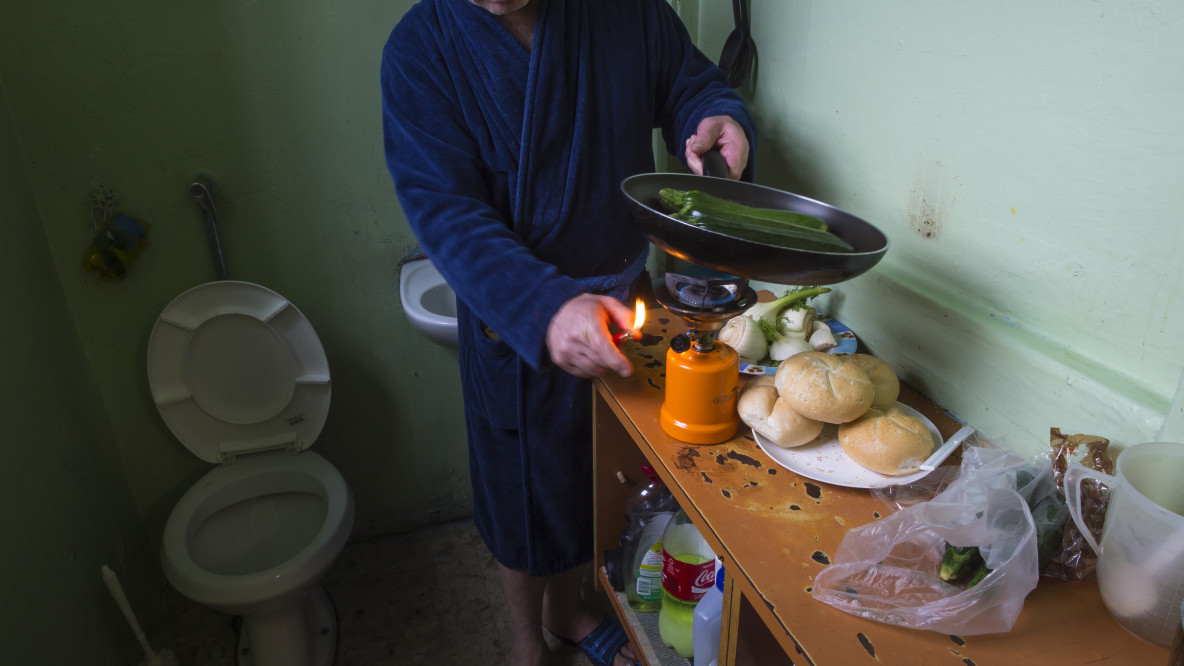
(1025, 160)
(277, 104)
(65, 509)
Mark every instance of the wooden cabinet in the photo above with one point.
(776, 530)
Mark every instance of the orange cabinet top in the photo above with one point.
(777, 530)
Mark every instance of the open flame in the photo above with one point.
(639, 318)
(635, 332)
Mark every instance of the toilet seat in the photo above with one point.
(235, 368)
(239, 486)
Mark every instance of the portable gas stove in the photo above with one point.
(702, 374)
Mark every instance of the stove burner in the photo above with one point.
(706, 304)
(705, 293)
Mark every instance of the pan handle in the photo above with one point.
(714, 164)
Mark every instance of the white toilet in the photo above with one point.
(241, 379)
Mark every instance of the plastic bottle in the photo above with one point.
(649, 507)
(688, 571)
(708, 622)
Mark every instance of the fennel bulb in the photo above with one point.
(744, 335)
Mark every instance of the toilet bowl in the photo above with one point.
(239, 376)
(428, 302)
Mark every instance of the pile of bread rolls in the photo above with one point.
(856, 392)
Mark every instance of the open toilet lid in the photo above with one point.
(234, 368)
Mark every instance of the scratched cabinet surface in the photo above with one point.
(779, 530)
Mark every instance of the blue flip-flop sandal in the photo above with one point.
(601, 644)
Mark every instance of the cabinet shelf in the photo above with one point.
(642, 629)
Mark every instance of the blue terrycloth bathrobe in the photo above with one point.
(508, 164)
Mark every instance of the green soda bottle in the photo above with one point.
(688, 571)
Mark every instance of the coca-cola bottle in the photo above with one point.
(688, 571)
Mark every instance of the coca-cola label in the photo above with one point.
(686, 581)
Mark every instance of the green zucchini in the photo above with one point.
(696, 202)
(959, 562)
(800, 238)
(982, 572)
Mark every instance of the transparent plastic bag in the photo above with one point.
(930, 485)
(889, 570)
(1075, 560)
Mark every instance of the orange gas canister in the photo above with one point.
(701, 387)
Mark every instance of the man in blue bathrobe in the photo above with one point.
(508, 126)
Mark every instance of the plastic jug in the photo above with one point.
(1141, 550)
(688, 571)
(709, 615)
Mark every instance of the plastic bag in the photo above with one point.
(888, 570)
(930, 485)
(1075, 560)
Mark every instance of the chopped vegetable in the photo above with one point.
(978, 576)
(786, 325)
(746, 337)
(787, 346)
(959, 562)
(768, 315)
(821, 339)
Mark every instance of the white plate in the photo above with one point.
(824, 459)
(847, 344)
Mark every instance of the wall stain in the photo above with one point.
(930, 201)
(923, 218)
(867, 645)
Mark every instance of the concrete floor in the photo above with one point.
(427, 597)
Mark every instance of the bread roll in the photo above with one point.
(887, 441)
(763, 411)
(884, 382)
(823, 387)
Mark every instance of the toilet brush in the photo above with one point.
(151, 657)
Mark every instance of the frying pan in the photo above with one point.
(747, 258)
